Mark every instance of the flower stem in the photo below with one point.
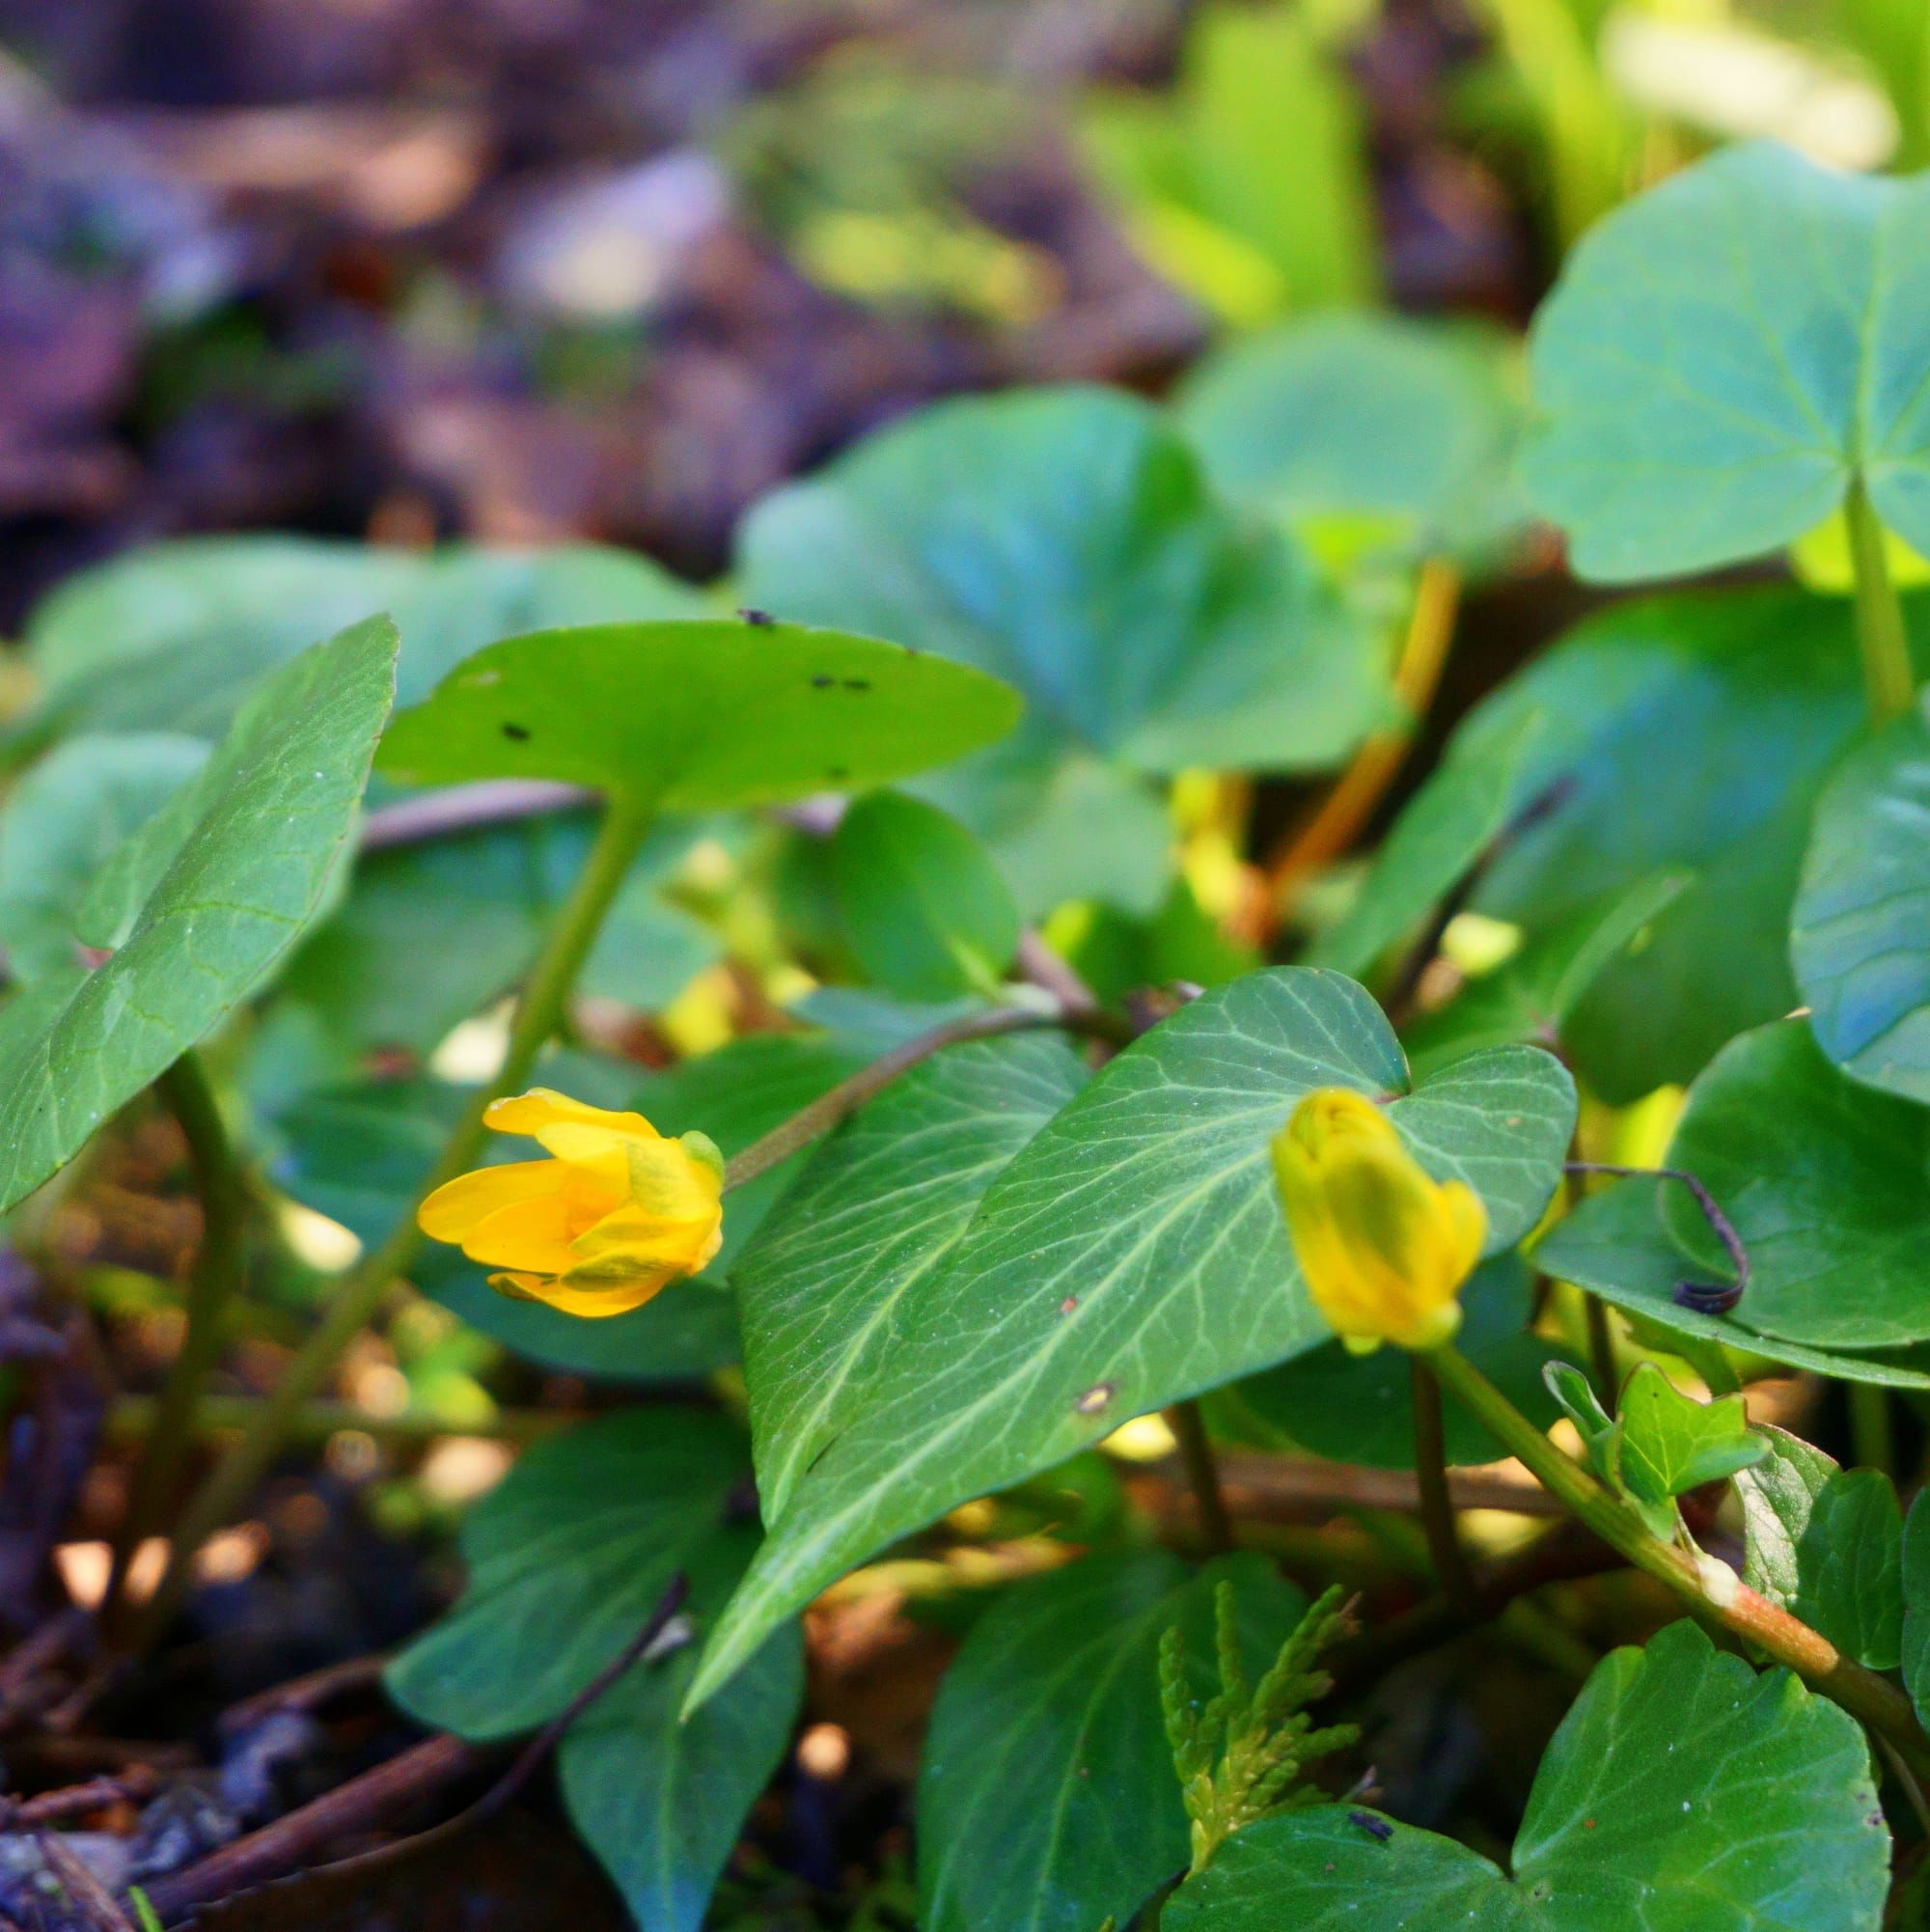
(1346, 808)
(211, 1284)
(1881, 635)
(1709, 1588)
(813, 1122)
(360, 1292)
(1437, 1507)
(1202, 1473)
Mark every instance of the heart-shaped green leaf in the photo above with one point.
(170, 638)
(1674, 734)
(1064, 541)
(1364, 419)
(567, 1561)
(923, 904)
(232, 871)
(1860, 934)
(62, 825)
(1617, 1246)
(695, 716)
(1726, 355)
(878, 1210)
(1682, 1790)
(1047, 1742)
(1824, 1181)
(1359, 1408)
(1074, 1299)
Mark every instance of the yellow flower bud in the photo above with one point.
(1384, 1248)
(619, 1213)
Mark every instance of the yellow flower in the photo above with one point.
(618, 1214)
(1384, 1249)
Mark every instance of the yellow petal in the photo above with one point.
(458, 1206)
(594, 1296)
(1469, 1223)
(527, 1237)
(567, 1128)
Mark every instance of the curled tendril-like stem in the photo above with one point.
(1702, 1297)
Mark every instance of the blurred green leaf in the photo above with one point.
(927, 912)
(1703, 401)
(1687, 733)
(1365, 415)
(1248, 186)
(382, 973)
(1063, 539)
(171, 637)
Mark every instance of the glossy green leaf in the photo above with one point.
(1860, 934)
(171, 637)
(1726, 355)
(1916, 1640)
(924, 908)
(62, 823)
(1077, 1296)
(1849, 1566)
(1671, 1442)
(1824, 1181)
(1064, 541)
(567, 1561)
(234, 869)
(381, 974)
(1046, 1795)
(1683, 1790)
(698, 715)
(877, 1213)
(1687, 733)
(1617, 1246)
(1351, 415)
(1360, 1409)
(1777, 1496)
(1531, 996)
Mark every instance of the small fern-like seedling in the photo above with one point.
(1244, 1756)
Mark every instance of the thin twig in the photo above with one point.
(85, 1893)
(287, 1845)
(76, 1801)
(1203, 1475)
(1344, 812)
(468, 807)
(212, 1283)
(1430, 1476)
(813, 1123)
